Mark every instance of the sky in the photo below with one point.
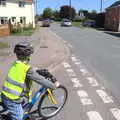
(77, 4)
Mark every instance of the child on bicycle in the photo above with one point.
(19, 80)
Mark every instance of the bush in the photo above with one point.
(57, 19)
(17, 30)
(30, 26)
(77, 19)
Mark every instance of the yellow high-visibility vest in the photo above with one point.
(15, 81)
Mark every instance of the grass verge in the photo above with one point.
(3, 45)
(24, 32)
(76, 24)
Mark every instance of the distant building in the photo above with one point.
(81, 15)
(17, 11)
(112, 17)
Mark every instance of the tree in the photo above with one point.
(67, 12)
(47, 13)
(56, 15)
(92, 15)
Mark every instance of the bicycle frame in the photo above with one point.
(27, 107)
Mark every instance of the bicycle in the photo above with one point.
(48, 105)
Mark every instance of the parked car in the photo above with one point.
(89, 23)
(66, 22)
(46, 23)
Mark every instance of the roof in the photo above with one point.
(28, 0)
(114, 4)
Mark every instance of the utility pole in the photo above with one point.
(69, 9)
(101, 5)
(36, 6)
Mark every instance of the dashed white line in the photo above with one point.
(76, 83)
(92, 81)
(77, 63)
(69, 45)
(66, 65)
(116, 113)
(71, 73)
(93, 115)
(104, 96)
(85, 100)
(74, 59)
(116, 46)
(84, 72)
(82, 93)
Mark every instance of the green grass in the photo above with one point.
(3, 45)
(76, 24)
(27, 32)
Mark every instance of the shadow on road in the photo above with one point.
(116, 34)
(110, 32)
(33, 117)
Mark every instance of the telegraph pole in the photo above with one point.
(69, 9)
(36, 6)
(101, 5)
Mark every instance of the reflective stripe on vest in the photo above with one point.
(15, 83)
(15, 80)
(11, 91)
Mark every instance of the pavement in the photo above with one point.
(49, 51)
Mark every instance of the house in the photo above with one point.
(112, 17)
(17, 11)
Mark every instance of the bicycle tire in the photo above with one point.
(57, 109)
(2, 108)
(4, 117)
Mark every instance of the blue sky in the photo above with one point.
(77, 4)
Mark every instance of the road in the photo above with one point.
(90, 74)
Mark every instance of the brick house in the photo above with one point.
(112, 17)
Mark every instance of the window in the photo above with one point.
(3, 20)
(21, 4)
(23, 20)
(3, 3)
(13, 19)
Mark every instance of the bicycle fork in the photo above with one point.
(50, 96)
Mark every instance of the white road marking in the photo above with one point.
(116, 46)
(74, 59)
(84, 72)
(77, 63)
(102, 87)
(85, 100)
(92, 81)
(76, 83)
(93, 115)
(69, 45)
(71, 73)
(82, 94)
(66, 65)
(104, 96)
(64, 41)
(116, 113)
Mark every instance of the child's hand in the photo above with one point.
(57, 84)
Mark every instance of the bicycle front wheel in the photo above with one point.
(47, 109)
(2, 108)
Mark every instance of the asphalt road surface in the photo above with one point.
(91, 74)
